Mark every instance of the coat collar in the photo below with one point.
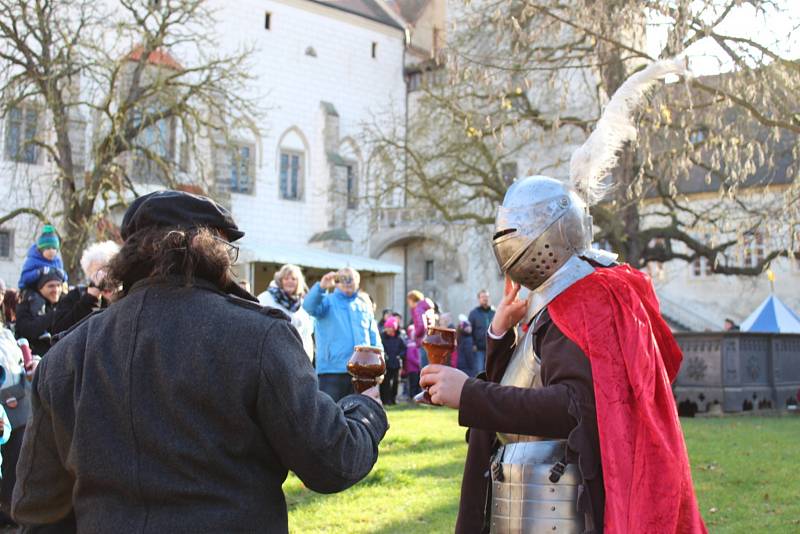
(180, 281)
(173, 281)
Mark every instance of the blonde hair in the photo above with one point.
(415, 295)
(289, 268)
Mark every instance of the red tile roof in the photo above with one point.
(156, 57)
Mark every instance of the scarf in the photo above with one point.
(291, 304)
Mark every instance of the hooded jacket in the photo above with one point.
(342, 323)
(35, 265)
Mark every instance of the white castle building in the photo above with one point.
(327, 68)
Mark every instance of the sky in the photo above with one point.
(779, 31)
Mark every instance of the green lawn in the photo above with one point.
(746, 471)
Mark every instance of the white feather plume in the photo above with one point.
(598, 155)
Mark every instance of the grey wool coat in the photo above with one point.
(180, 409)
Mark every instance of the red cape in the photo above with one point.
(613, 316)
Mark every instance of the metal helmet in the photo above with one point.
(541, 224)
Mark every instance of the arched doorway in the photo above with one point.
(430, 265)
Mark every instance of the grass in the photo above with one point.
(745, 470)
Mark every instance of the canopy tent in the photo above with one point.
(309, 256)
(772, 316)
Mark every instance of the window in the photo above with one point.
(352, 188)
(698, 135)
(21, 127)
(701, 268)
(508, 172)
(754, 249)
(414, 81)
(267, 20)
(429, 272)
(6, 244)
(291, 175)
(240, 169)
(158, 140)
(374, 50)
(429, 78)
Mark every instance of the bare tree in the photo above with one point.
(110, 90)
(522, 82)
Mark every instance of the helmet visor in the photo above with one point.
(532, 220)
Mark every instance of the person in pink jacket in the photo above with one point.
(411, 364)
(423, 315)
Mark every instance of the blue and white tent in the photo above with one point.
(772, 316)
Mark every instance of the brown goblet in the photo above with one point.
(367, 367)
(439, 344)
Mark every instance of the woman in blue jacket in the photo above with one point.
(343, 321)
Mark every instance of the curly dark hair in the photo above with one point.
(9, 306)
(161, 252)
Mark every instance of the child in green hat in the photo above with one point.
(43, 258)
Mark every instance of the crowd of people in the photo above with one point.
(183, 405)
(331, 318)
(334, 316)
(34, 314)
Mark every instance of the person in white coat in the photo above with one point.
(286, 293)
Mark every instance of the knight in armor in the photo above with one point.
(573, 428)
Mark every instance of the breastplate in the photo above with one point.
(523, 371)
(525, 497)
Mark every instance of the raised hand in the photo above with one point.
(328, 281)
(511, 309)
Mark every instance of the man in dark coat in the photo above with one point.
(479, 319)
(36, 314)
(182, 407)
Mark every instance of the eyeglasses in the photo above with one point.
(231, 249)
(345, 279)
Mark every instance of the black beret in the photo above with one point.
(178, 209)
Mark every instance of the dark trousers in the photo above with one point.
(389, 386)
(413, 385)
(336, 385)
(477, 363)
